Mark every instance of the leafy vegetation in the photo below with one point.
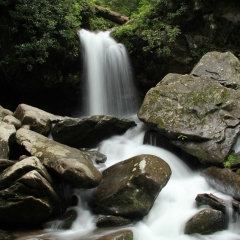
(231, 160)
(154, 26)
(39, 38)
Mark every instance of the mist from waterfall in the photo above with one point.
(109, 82)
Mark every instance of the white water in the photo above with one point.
(108, 75)
(175, 203)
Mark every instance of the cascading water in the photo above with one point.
(176, 202)
(109, 86)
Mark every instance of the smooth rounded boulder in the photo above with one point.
(70, 164)
(129, 188)
(206, 221)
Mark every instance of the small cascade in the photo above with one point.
(109, 84)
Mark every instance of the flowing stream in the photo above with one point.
(176, 202)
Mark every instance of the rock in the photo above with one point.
(111, 221)
(7, 137)
(212, 201)
(4, 112)
(119, 235)
(224, 67)
(39, 120)
(29, 200)
(206, 221)
(14, 172)
(12, 120)
(89, 131)
(68, 163)
(224, 180)
(129, 188)
(198, 114)
(64, 222)
(96, 156)
(4, 163)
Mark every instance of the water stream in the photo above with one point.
(176, 202)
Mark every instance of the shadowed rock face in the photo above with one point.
(68, 163)
(89, 131)
(198, 114)
(129, 188)
(27, 195)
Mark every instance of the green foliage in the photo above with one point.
(99, 23)
(39, 38)
(153, 26)
(231, 160)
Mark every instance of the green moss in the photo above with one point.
(231, 160)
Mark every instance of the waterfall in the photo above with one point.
(176, 202)
(109, 83)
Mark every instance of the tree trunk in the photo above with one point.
(111, 15)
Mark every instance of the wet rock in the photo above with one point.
(96, 156)
(206, 221)
(4, 112)
(224, 67)
(212, 201)
(12, 120)
(68, 163)
(7, 137)
(11, 174)
(64, 222)
(38, 120)
(112, 221)
(224, 180)
(198, 114)
(29, 200)
(129, 188)
(119, 235)
(89, 131)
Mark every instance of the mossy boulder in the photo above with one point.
(197, 114)
(129, 188)
(206, 221)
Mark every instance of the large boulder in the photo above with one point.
(224, 180)
(129, 188)
(27, 194)
(206, 221)
(198, 114)
(38, 120)
(224, 67)
(68, 163)
(87, 132)
(7, 137)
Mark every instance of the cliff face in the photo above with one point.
(202, 26)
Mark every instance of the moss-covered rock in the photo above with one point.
(198, 114)
(206, 221)
(129, 188)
